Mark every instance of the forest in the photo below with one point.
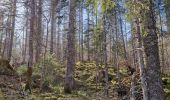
(84, 49)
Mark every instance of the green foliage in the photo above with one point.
(47, 71)
(114, 83)
(123, 71)
(33, 97)
(166, 78)
(105, 4)
(82, 94)
(22, 70)
(167, 90)
(89, 2)
(2, 97)
(97, 36)
(48, 67)
(58, 89)
(85, 72)
(145, 34)
(136, 9)
(167, 1)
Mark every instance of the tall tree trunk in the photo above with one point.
(23, 42)
(47, 34)
(141, 62)
(58, 38)
(7, 38)
(116, 44)
(39, 33)
(26, 42)
(88, 34)
(26, 36)
(32, 32)
(71, 51)
(162, 39)
(122, 35)
(167, 11)
(150, 42)
(12, 31)
(1, 40)
(96, 51)
(1, 32)
(53, 23)
(133, 82)
(104, 45)
(81, 31)
(64, 44)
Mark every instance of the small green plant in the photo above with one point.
(22, 70)
(58, 89)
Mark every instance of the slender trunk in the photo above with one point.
(13, 29)
(117, 51)
(6, 44)
(97, 54)
(88, 35)
(110, 46)
(81, 31)
(71, 50)
(167, 11)
(26, 38)
(105, 56)
(32, 32)
(1, 31)
(23, 41)
(122, 36)
(53, 23)
(58, 39)
(64, 44)
(162, 42)
(1, 37)
(46, 42)
(141, 62)
(39, 33)
(133, 82)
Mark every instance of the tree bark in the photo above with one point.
(122, 36)
(133, 82)
(26, 36)
(1, 32)
(58, 41)
(88, 34)
(47, 34)
(104, 47)
(167, 11)
(150, 42)
(13, 30)
(71, 51)
(141, 62)
(53, 23)
(32, 32)
(39, 33)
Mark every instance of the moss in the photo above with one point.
(1, 96)
(51, 98)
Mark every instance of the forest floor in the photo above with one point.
(12, 86)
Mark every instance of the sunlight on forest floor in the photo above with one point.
(85, 75)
